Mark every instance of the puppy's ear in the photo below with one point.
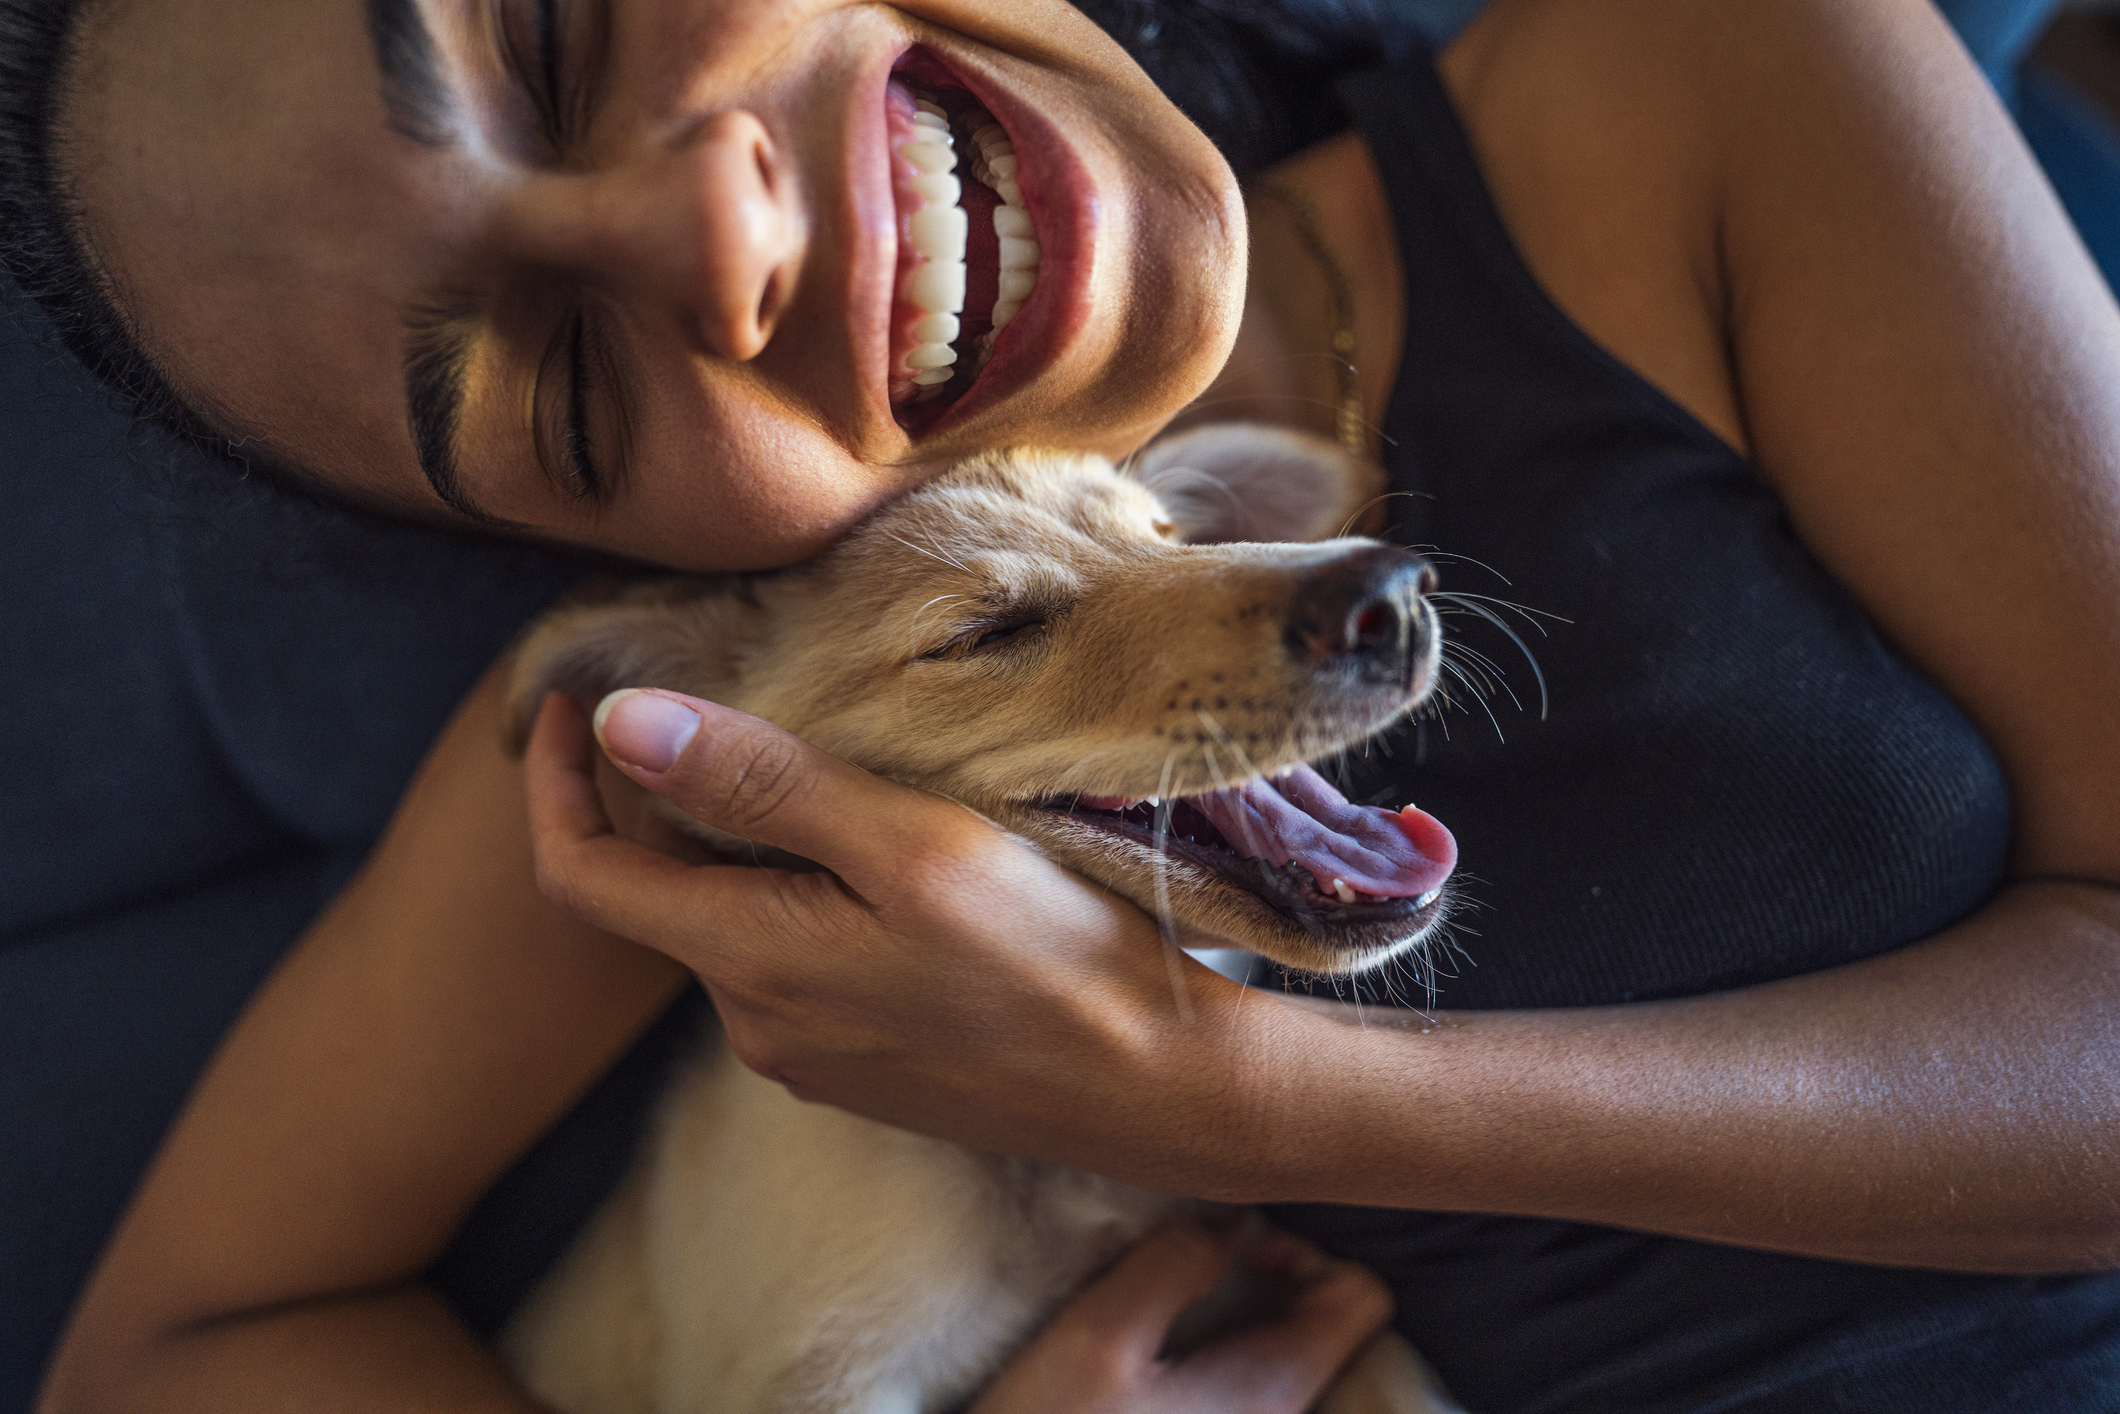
(1231, 481)
(687, 635)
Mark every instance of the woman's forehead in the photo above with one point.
(239, 179)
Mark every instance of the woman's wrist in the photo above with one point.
(1282, 1093)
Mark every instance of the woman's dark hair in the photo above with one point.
(1256, 75)
(42, 248)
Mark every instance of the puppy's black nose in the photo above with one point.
(1363, 611)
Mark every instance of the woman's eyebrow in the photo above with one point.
(417, 96)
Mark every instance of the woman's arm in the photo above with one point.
(427, 1029)
(1949, 1105)
(432, 1023)
(1811, 223)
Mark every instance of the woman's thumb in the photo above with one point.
(746, 776)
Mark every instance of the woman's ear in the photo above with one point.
(682, 634)
(1232, 481)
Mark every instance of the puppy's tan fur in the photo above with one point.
(1032, 627)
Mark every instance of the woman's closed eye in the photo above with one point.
(555, 52)
(577, 390)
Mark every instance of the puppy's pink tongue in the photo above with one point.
(1299, 817)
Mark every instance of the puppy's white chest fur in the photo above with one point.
(769, 1254)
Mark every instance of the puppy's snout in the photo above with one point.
(1363, 611)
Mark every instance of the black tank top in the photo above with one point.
(1734, 780)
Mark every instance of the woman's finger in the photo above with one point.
(746, 776)
(615, 883)
(1289, 1361)
(1129, 1309)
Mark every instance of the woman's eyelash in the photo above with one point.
(548, 68)
(581, 466)
(530, 34)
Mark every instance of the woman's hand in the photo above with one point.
(1947, 1105)
(943, 976)
(1101, 1353)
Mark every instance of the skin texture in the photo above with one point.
(1811, 224)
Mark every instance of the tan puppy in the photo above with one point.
(1116, 666)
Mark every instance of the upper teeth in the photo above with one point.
(938, 233)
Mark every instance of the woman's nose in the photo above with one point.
(706, 225)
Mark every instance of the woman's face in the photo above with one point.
(628, 272)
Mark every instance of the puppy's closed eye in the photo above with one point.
(1014, 631)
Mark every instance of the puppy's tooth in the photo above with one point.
(929, 157)
(1430, 897)
(939, 233)
(938, 287)
(1155, 800)
(1339, 886)
(1014, 221)
(940, 188)
(936, 329)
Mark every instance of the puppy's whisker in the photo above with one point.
(1432, 553)
(1524, 611)
(1178, 476)
(1483, 676)
(1364, 509)
(1476, 604)
(1455, 671)
(936, 556)
(1247, 820)
(913, 629)
(1166, 921)
(1463, 650)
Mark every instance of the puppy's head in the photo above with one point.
(1095, 660)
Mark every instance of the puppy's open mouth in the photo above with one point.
(1295, 842)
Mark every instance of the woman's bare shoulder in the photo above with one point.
(1815, 225)
(1588, 119)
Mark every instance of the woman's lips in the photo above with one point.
(1053, 188)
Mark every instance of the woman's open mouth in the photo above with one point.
(968, 249)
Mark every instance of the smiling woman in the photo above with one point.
(1733, 333)
(560, 247)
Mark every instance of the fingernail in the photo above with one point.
(644, 729)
